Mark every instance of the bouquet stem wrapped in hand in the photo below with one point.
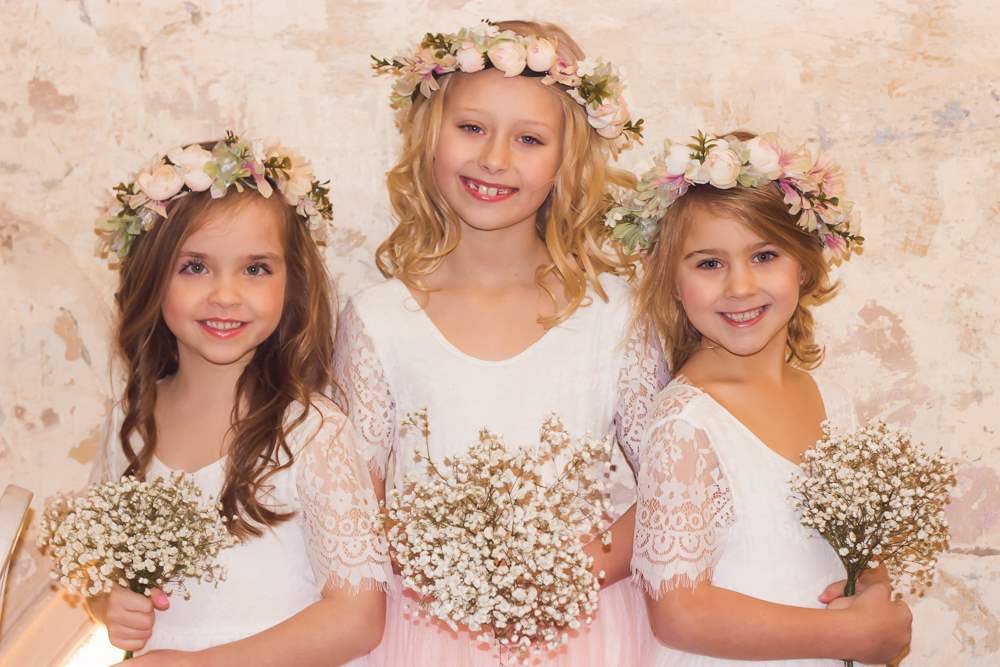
(137, 534)
(492, 541)
(877, 498)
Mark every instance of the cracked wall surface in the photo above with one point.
(905, 95)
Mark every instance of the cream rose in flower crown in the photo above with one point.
(594, 84)
(812, 188)
(263, 165)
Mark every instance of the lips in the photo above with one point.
(222, 328)
(485, 191)
(744, 318)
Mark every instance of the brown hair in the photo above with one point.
(290, 366)
(763, 211)
(571, 221)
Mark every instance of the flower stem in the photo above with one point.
(849, 589)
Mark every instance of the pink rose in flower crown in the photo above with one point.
(677, 159)
(160, 184)
(609, 118)
(470, 58)
(722, 166)
(300, 178)
(541, 55)
(508, 57)
(191, 162)
(765, 157)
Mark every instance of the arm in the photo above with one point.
(614, 559)
(685, 508)
(725, 624)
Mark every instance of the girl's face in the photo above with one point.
(737, 289)
(227, 290)
(499, 148)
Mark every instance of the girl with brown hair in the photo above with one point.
(225, 331)
(740, 232)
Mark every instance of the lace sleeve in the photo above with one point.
(642, 374)
(345, 545)
(684, 509)
(364, 393)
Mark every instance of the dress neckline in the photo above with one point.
(436, 332)
(680, 378)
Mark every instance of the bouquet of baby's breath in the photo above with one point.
(877, 498)
(491, 542)
(139, 534)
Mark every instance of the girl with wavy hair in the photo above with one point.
(224, 327)
(504, 303)
(741, 231)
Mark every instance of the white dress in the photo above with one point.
(330, 541)
(714, 506)
(392, 360)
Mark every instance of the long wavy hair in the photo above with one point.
(570, 221)
(763, 211)
(290, 366)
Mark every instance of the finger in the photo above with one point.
(127, 644)
(833, 591)
(840, 603)
(159, 599)
(131, 620)
(131, 632)
(136, 602)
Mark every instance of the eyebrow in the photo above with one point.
(194, 254)
(714, 251)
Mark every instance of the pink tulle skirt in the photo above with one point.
(617, 637)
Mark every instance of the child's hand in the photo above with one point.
(870, 576)
(130, 617)
(883, 626)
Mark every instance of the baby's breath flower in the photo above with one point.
(491, 542)
(138, 534)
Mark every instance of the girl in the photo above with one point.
(501, 306)
(729, 572)
(224, 324)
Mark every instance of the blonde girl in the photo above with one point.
(502, 304)
(225, 330)
(740, 230)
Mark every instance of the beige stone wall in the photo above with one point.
(905, 94)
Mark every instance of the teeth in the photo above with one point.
(222, 326)
(487, 191)
(745, 316)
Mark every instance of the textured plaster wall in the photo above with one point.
(905, 94)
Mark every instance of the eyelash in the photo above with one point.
(526, 139)
(768, 254)
(185, 268)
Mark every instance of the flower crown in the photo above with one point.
(595, 84)
(812, 188)
(257, 164)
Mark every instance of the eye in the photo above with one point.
(471, 128)
(709, 264)
(531, 141)
(764, 256)
(258, 269)
(194, 267)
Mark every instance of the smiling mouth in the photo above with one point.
(484, 191)
(223, 328)
(745, 318)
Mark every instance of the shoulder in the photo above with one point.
(378, 297)
(678, 401)
(320, 420)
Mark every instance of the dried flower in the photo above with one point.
(138, 534)
(877, 498)
(492, 542)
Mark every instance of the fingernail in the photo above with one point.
(161, 598)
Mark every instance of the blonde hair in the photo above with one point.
(762, 210)
(571, 221)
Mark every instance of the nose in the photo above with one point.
(495, 155)
(740, 281)
(225, 292)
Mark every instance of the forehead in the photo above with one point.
(517, 96)
(715, 227)
(248, 225)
